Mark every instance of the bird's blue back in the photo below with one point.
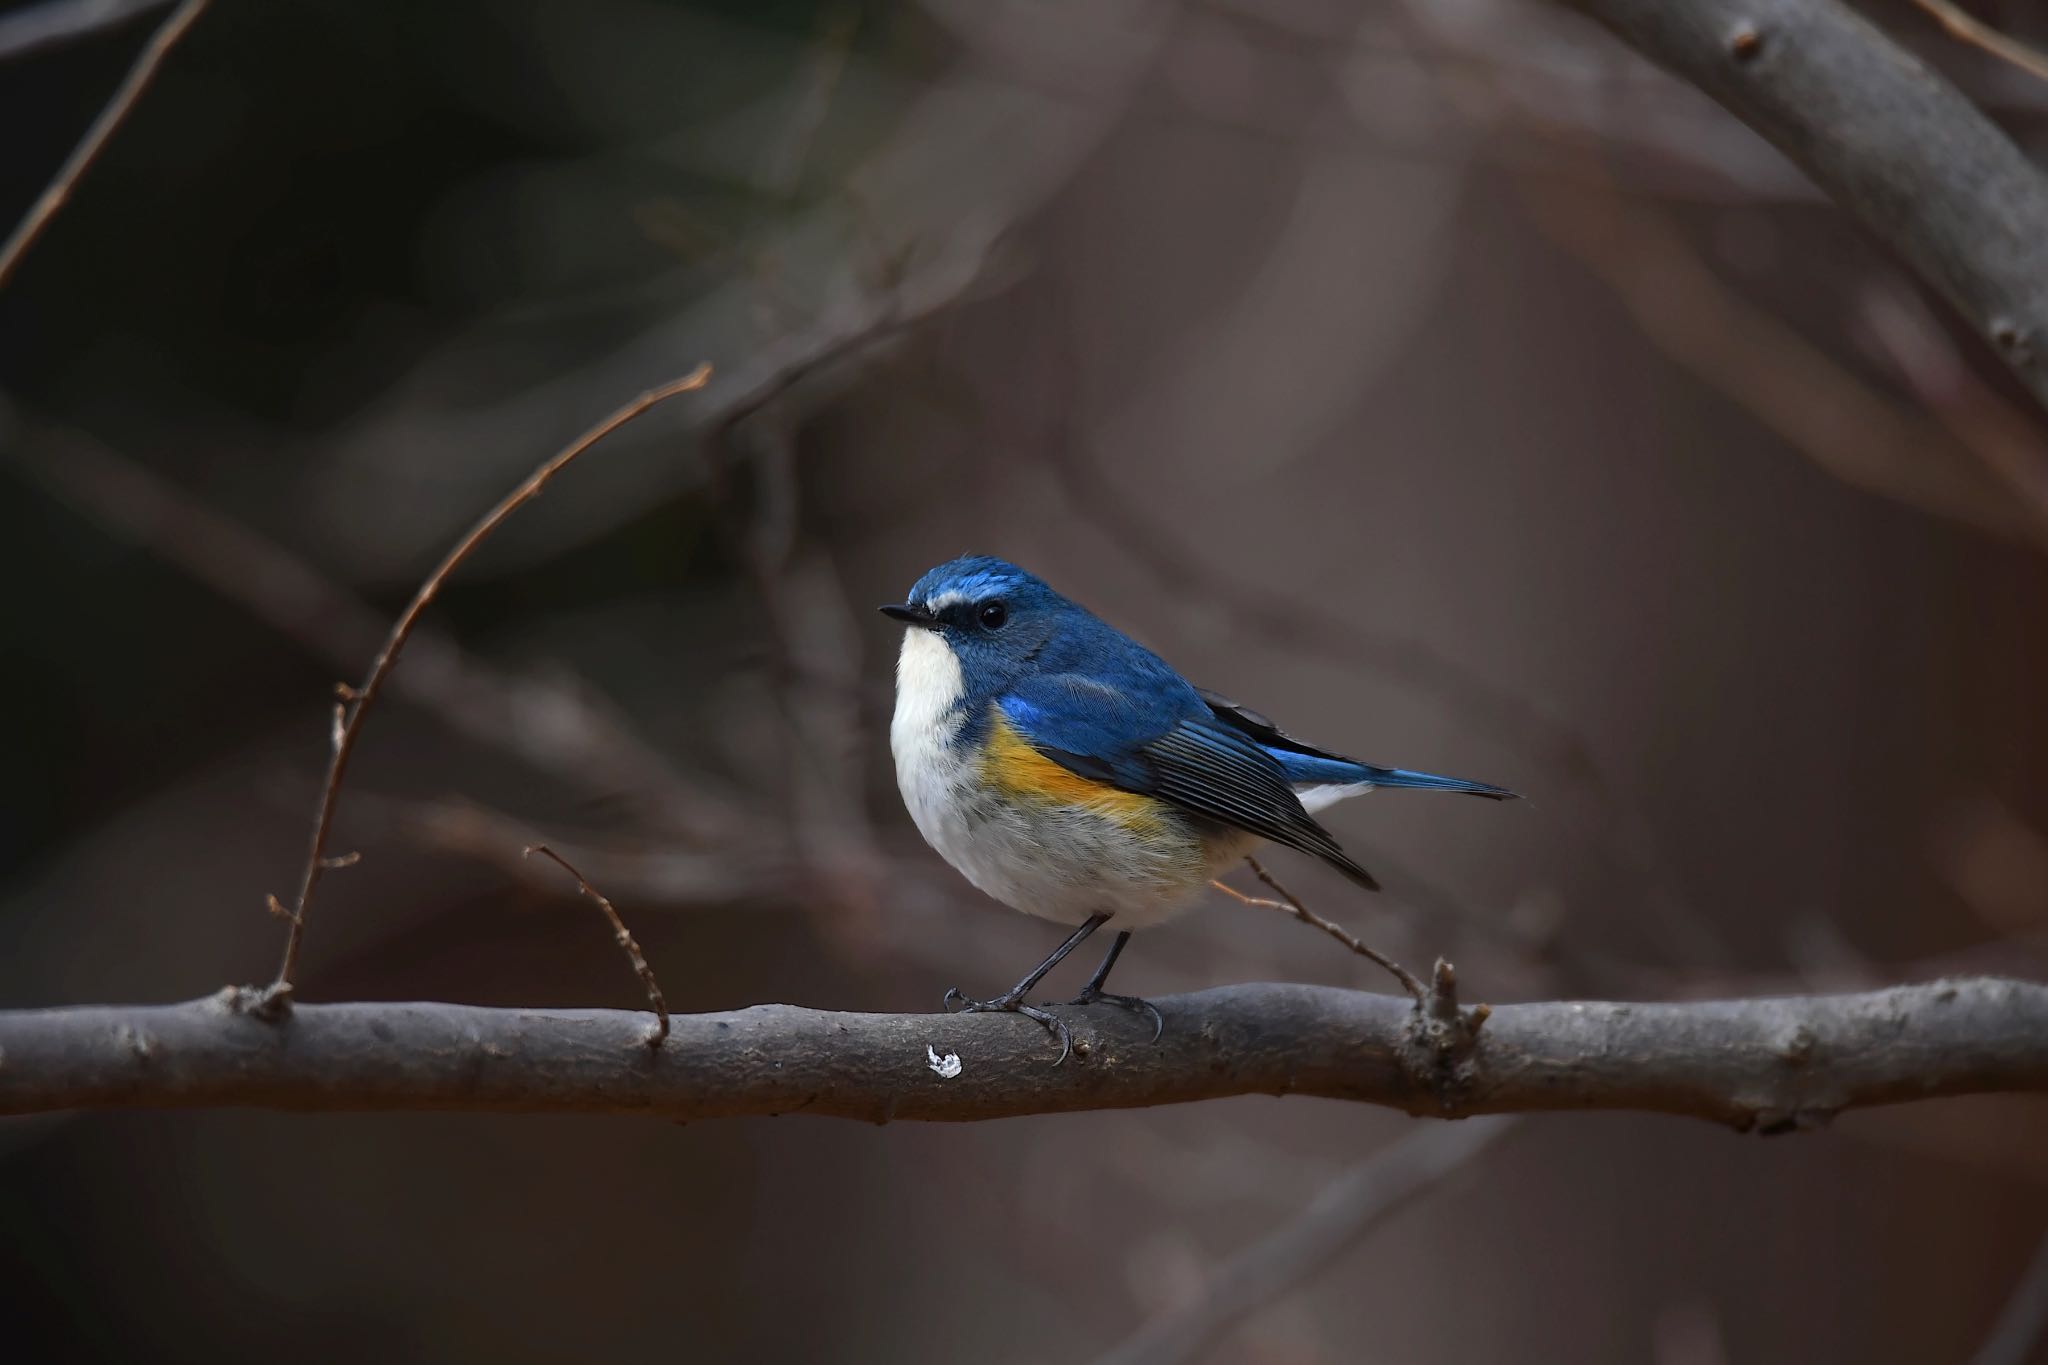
(1067, 678)
(1075, 685)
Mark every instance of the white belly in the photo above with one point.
(1061, 863)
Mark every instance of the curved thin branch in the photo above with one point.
(355, 703)
(1884, 136)
(621, 935)
(1774, 1064)
(87, 151)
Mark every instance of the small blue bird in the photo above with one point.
(1070, 773)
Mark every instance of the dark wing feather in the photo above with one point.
(1211, 770)
(1261, 730)
(1149, 732)
(1216, 772)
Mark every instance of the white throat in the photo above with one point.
(929, 685)
(929, 773)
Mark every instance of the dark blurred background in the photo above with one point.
(1438, 378)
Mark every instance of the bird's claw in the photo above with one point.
(1135, 1004)
(1014, 1004)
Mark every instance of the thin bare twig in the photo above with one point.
(625, 938)
(1969, 29)
(1290, 904)
(88, 150)
(1340, 1214)
(359, 700)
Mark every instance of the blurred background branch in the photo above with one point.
(2023, 1324)
(1966, 28)
(33, 26)
(1343, 1211)
(1889, 140)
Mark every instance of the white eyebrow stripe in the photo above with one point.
(944, 600)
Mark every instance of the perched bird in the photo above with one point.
(1070, 773)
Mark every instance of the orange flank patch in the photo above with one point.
(1013, 767)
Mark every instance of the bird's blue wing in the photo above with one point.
(1144, 729)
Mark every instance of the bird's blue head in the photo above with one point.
(995, 618)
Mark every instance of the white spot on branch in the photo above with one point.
(947, 1066)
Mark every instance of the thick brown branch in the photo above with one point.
(1773, 1064)
(1886, 138)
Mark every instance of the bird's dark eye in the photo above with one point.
(992, 615)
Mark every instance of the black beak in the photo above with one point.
(910, 614)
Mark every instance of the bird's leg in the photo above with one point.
(1012, 1000)
(1092, 992)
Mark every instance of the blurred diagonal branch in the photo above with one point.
(1973, 456)
(924, 222)
(1295, 622)
(1775, 1064)
(2024, 1321)
(34, 27)
(1889, 140)
(558, 724)
(1340, 1214)
(1994, 477)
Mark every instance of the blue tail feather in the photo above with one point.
(1402, 777)
(1315, 768)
